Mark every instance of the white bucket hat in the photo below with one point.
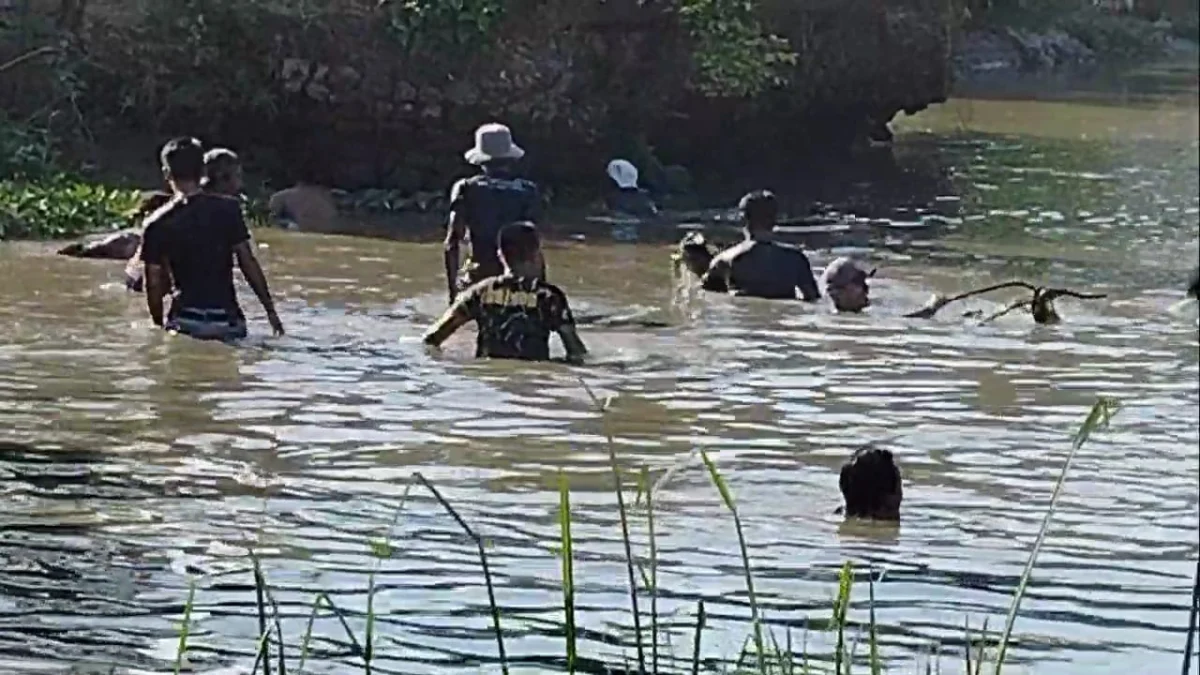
(623, 173)
(493, 141)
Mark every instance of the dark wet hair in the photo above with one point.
(759, 208)
(183, 158)
(518, 242)
(871, 484)
(1194, 284)
(219, 163)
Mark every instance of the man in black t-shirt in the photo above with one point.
(515, 311)
(193, 240)
(483, 204)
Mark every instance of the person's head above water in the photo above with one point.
(623, 173)
(846, 285)
(223, 171)
(183, 162)
(759, 209)
(494, 147)
(871, 485)
(521, 248)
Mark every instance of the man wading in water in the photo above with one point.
(760, 266)
(193, 240)
(222, 175)
(516, 310)
(483, 204)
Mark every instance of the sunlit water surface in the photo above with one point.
(139, 463)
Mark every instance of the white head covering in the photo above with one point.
(623, 173)
(493, 141)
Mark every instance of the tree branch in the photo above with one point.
(27, 56)
(1041, 305)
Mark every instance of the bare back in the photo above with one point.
(765, 269)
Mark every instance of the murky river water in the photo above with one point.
(137, 462)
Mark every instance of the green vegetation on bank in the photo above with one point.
(385, 94)
(767, 649)
(39, 200)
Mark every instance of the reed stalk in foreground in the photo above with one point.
(1100, 415)
(483, 562)
(727, 499)
(1190, 642)
(619, 489)
(185, 626)
(568, 571)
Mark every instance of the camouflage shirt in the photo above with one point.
(515, 316)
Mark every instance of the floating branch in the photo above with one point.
(1040, 305)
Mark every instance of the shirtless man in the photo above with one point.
(516, 310)
(480, 206)
(307, 206)
(222, 175)
(192, 241)
(760, 266)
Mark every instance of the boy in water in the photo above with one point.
(871, 485)
(222, 175)
(193, 240)
(760, 266)
(515, 310)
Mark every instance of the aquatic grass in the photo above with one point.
(1100, 415)
(1193, 612)
(185, 625)
(619, 490)
(727, 499)
(696, 637)
(568, 570)
(761, 652)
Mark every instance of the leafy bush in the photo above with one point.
(25, 151)
(62, 206)
(1114, 36)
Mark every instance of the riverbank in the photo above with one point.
(1002, 48)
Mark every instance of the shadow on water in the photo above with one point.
(133, 462)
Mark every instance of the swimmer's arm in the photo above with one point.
(456, 230)
(572, 344)
(717, 276)
(253, 273)
(157, 286)
(806, 282)
(455, 317)
(154, 270)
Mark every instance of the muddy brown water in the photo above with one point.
(134, 463)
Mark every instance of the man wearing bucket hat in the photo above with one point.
(483, 204)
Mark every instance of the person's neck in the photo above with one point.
(765, 234)
(522, 270)
(186, 188)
